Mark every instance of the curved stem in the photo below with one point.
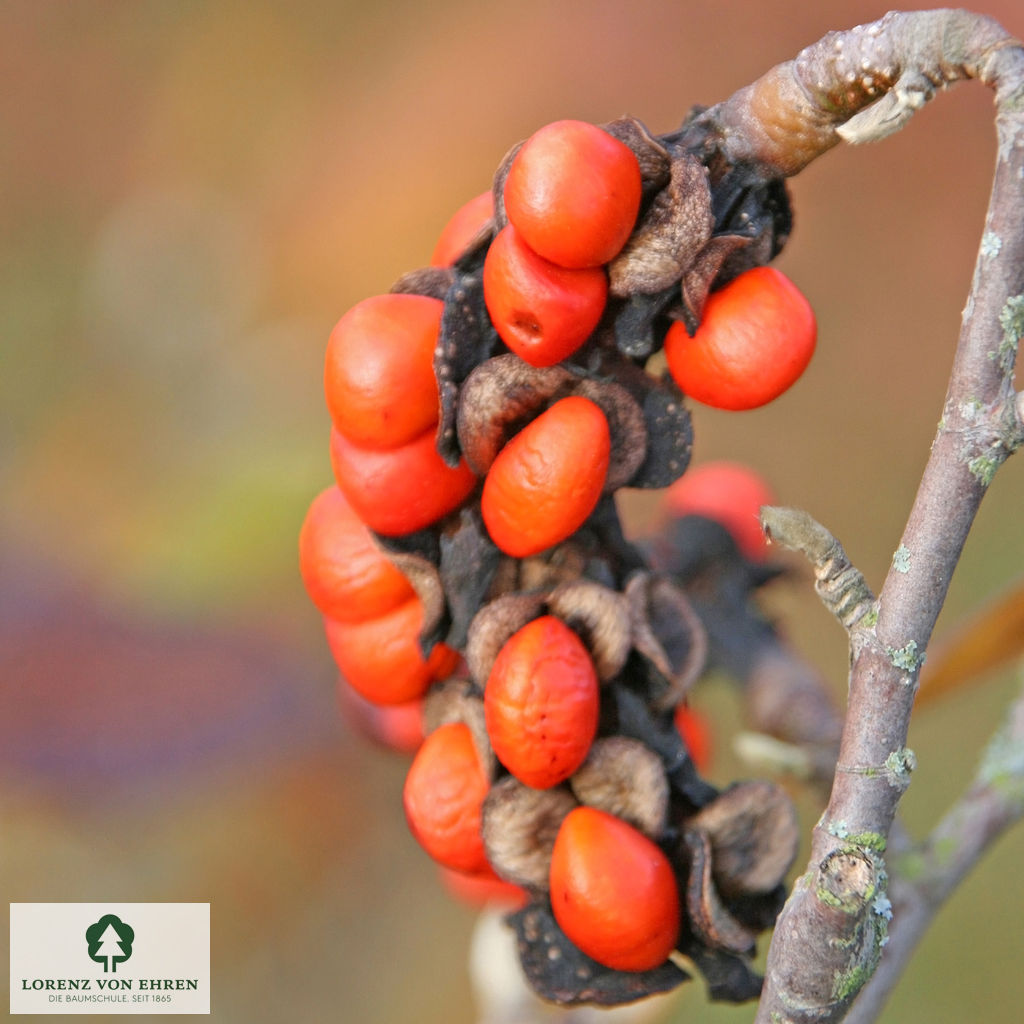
(858, 85)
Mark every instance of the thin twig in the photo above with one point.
(840, 585)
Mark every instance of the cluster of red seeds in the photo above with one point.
(570, 201)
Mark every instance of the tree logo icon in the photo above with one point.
(110, 941)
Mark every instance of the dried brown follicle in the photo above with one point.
(519, 828)
(458, 700)
(498, 398)
(708, 917)
(626, 778)
(503, 394)
(506, 577)
(754, 836)
(433, 282)
(673, 230)
(425, 579)
(700, 275)
(493, 625)
(627, 427)
(668, 633)
(498, 186)
(653, 158)
(562, 564)
(561, 974)
(786, 698)
(600, 616)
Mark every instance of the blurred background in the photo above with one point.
(191, 194)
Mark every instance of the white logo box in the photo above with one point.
(138, 958)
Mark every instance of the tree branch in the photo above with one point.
(860, 85)
(926, 876)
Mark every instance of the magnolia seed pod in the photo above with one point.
(519, 829)
(433, 282)
(627, 779)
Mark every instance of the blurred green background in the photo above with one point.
(191, 194)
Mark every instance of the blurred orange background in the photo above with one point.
(190, 195)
